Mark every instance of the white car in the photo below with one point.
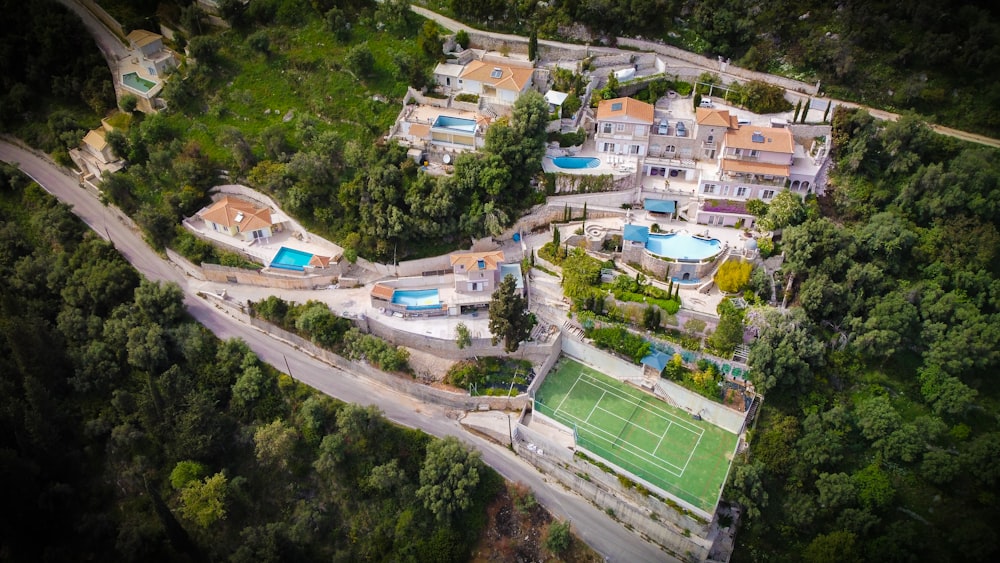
(706, 102)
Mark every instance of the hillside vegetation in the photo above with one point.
(130, 433)
(935, 58)
(879, 438)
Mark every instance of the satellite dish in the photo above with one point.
(447, 159)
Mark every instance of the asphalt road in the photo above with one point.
(606, 536)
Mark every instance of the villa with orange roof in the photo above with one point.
(623, 126)
(239, 218)
(498, 83)
(482, 272)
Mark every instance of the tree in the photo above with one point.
(747, 488)
(798, 108)
(128, 103)
(510, 320)
(463, 338)
(835, 547)
(533, 45)
(204, 502)
(118, 143)
(359, 60)
(733, 276)
(785, 210)
(274, 443)
(558, 538)
(448, 477)
(186, 472)
(877, 418)
(757, 208)
(785, 353)
(836, 490)
(462, 38)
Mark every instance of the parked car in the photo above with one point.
(706, 103)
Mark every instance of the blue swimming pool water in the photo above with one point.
(416, 299)
(455, 124)
(576, 162)
(682, 246)
(291, 259)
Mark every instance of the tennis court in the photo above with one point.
(638, 432)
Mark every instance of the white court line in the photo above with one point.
(661, 413)
(603, 393)
(631, 448)
(669, 424)
(628, 423)
(698, 443)
(568, 393)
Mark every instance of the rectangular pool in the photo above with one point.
(458, 124)
(137, 83)
(291, 259)
(417, 299)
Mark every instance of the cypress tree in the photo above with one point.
(533, 45)
(556, 238)
(798, 108)
(585, 211)
(826, 112)
(670, 288)
(805, 111)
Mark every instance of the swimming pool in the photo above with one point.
(455, 124)
(291, 259)
(137, 83)
(576, 162)
(417, 299)
(683, 246)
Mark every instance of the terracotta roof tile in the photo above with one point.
(141, 37)
(227, 210)
(383, 292)
(751, 167)
(470, 261)
(772, 139)
(716, 117)
(510, 77)
(625, 109)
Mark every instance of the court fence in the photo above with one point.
(682, 535)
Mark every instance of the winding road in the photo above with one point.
(606, 536)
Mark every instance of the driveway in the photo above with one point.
(606, 536)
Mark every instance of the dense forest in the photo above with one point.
(129, 432)
(932, 57)
(879, 439)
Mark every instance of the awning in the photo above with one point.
(636, 233)
(660, 205)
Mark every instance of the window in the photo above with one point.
(259, 233)
(497, 73)
(447, 81)
(620, 127)
(671, 148)
(709, 188)
(634, 149)
(741, 191)
(617, 106)
(607, 127)
(711, 138)
(754, 153)
(737, 152)
(725, 190)
(609, 147)
(768, 194)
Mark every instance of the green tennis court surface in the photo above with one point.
(638, 432)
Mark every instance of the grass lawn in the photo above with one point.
(252, 91)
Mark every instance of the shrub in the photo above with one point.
(573, 139)
(462, 38)
(467, 97)
(620, 340)
(733, 276)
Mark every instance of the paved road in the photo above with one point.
(591, 524)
